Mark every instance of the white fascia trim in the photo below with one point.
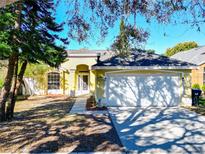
(63, 69)
(142, 67)
(82, 55)
(124, 71)
(201, 63)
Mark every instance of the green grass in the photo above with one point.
(202, 101)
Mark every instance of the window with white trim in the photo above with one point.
(53, 80)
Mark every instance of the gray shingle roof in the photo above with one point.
(85, 51)
(195, 56)
(104, 54)
(138, 59)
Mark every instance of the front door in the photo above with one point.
(83, 84)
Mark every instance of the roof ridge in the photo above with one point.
(84, 49)
(145, 59)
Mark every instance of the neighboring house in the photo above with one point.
(141, 80)
(197, 57)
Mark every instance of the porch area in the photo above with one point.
(81, 81)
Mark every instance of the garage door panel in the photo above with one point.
(142, 90)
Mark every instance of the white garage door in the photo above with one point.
(142, 90)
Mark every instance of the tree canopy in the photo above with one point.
(6, 22)
(86, 17)
(180, 47)
(121, 45)
(129, 39)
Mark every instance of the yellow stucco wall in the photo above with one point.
(198, 75)
(72, 62)
(100, 81)
(74, 66)
(77, 65)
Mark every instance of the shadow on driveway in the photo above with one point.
(165, 130)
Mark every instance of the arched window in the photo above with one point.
(53, 80)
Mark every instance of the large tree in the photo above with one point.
(7, 36)
(83, 18)
(32, 39)
(180, 47)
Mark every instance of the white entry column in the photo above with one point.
(72, 82)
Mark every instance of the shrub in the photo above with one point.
(203, 88)
(1, 84)
(196, 86)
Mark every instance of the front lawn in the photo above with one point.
(42, 124)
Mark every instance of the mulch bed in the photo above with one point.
(197, 109)
(91, 105)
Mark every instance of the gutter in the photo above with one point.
(143, 67)
(83, 55)
(124, 71)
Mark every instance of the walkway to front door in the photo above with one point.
(79, 107)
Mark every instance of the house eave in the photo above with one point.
(143, 67)
(83, 55)
(201, 63)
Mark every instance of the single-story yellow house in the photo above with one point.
(195, 56)
(142, 79)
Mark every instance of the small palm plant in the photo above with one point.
(196, 86)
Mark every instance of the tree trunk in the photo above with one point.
(14, 92)
(13, 89)
(11, 66)
(7, 86)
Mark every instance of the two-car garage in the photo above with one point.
(143, 79)
(143, 89)
(143, 93)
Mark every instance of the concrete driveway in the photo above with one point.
(164, 130)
